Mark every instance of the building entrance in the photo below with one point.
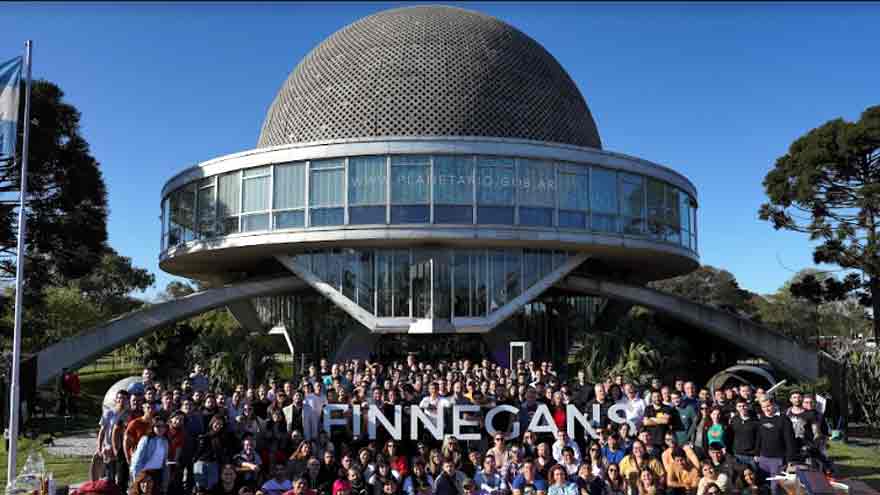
(431, 348)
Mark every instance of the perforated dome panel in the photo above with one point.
(429, 71)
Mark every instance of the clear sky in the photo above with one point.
(716, 91)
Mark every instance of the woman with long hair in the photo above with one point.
(544, 460)
(248, 422)
(210, 454)
(615, 483)
(717, 430)
(638, 461)
(557, 409)
(595, 459)
(228, 481)
(275, 437)
(559, 483)
(749, 483)
(711, 476)
(648, 484)
(297, 463)
(435, 463)
(143, 484)
(530, 444)
(151, 454)
(365, 458)
(450, 450)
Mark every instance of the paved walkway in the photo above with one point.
(78, 444)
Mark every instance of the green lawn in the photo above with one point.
(861, 463)
(95, 380)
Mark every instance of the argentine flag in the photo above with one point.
(10, 76)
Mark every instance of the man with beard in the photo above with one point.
(688, 416)
(293, 413)
(660, 418)
(803, 432)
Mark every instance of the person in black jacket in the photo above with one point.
(776, 443)
(744, 429)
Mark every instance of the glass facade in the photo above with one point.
(423, 189)
(431, 283)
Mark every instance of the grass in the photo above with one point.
(94, 380)
(859, 463)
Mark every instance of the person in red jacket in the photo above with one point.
(69, 392)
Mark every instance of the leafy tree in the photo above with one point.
(812, 302)
(110, 284)
(828, 186)
(709, 285)
(67, 202)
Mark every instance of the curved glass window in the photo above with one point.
(420, 189)
(574, 196)
(366, 190)
(289, 197)
(603, 200)
(326, 192)
(536, 183)
(453, 189)
(255, 198)
(410, 189)
(632, 203)
(228, 195)
(429, 282)
(495, 190)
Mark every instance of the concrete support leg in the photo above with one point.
(357, 344)
(246, 315)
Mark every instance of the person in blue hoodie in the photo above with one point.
(152, 453)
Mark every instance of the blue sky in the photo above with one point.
(716, 91)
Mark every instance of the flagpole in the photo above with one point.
(19, 276)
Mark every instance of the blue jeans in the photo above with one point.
(746, 460)
(771, 467)
(206, 474)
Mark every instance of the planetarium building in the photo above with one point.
(432, 175)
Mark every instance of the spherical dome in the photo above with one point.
(429, 71)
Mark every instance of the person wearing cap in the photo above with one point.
(722, 462)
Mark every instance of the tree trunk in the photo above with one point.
(249, 368)
(875, 307)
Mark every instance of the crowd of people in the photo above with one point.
(677, 438)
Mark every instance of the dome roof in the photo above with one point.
(429, 71)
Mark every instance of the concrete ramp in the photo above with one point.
(780, 350)
(100, 340)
